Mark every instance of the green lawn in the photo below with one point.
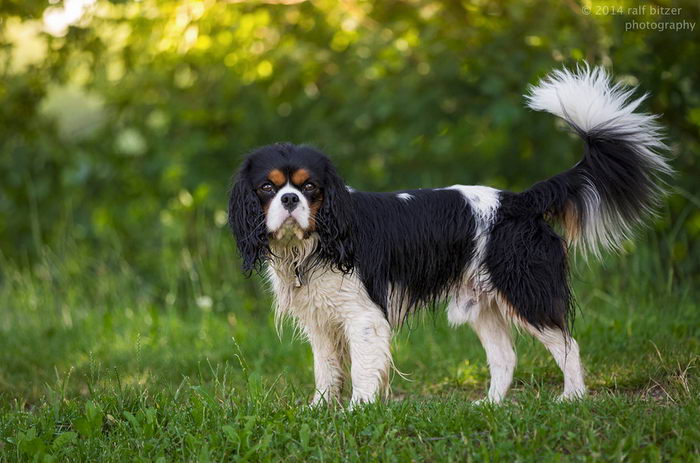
(99, 363)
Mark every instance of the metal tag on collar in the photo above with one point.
(297, 280)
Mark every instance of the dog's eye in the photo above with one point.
(308, 186)
(266, 187)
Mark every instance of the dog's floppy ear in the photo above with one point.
(247, 221)
(335, 222)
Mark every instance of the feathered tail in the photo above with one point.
(603, 198)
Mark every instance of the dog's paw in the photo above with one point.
(321, 401)
(358, 402)
(571, 396)
(486, 401)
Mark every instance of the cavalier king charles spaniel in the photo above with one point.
(350, 266)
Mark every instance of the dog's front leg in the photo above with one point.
(369, 337)
(328, 347)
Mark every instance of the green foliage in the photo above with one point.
(127, 332)
(126, 129)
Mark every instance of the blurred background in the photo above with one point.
(121, 123)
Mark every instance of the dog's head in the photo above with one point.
(285, 193)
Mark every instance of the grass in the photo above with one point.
(99, 363)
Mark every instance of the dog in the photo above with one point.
(351, 266)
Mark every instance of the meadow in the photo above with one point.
(100, 364)
(127, 331)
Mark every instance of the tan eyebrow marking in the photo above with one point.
(277, 177)
(300, 176)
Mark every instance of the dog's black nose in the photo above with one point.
(290, 201)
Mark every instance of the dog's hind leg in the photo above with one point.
(565, 351)
(494, 331)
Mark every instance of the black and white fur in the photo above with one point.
(371, 259)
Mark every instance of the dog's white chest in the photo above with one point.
(321, 293)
